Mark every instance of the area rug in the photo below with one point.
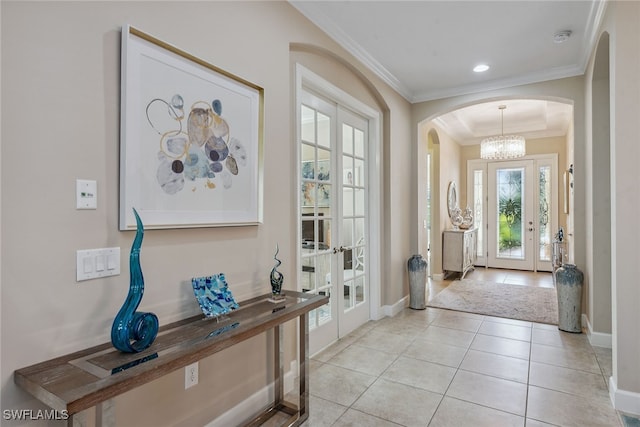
(528, 303)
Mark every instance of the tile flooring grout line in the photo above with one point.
(526, 401)
(444, 394)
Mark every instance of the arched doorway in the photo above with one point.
(599, 201)
(455, 152)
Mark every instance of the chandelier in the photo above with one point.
(502, 147)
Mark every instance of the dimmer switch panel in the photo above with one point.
(94, 263)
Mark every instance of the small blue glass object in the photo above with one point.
(213, 295)
(133, 331)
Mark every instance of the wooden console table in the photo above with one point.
(92, 377)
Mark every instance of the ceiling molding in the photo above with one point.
(592, 32)
(314, 14)
(544, 75)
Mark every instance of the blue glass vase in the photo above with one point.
(133, 331)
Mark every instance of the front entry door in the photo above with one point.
(333, 217)
(511, 220)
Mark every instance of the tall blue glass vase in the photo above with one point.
(132, 330)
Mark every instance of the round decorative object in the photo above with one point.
(456, 218)
(417, 266)
(569, 281)
(467, 218)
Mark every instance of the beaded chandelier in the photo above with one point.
(502, 147)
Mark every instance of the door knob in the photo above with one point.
(335, 250)
(342, 249)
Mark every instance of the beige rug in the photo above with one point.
(501, 300)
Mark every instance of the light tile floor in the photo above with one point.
(438, 367)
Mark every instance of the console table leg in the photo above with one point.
(106, 414)
(304, 366)
(77, 420)
(278, 338)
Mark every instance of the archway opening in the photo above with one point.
(599, 193)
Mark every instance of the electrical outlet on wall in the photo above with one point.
(190, 375)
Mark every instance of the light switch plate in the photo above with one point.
(86, 194)
(95, 263)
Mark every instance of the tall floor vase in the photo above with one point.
(417, 266)
(569, 281)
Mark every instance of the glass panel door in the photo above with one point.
(547, 212)
(317, 231)
(333, 218)
(353, 238)
(477, 195)
(511, 218)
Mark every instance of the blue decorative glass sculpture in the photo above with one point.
(213, 295)
(276, 279)
(132, 330)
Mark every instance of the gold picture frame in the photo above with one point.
(191, 146)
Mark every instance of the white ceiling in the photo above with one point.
(426, 50)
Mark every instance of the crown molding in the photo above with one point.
(592, 31)
(544, 75)
(314, 14)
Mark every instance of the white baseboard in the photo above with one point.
(254, 403)
(624, 401)
(392, 310)
(437, 276)
(596, 339)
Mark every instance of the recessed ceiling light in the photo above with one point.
(562, 36)
(480, 68)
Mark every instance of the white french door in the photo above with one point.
(333, 217)
(515, 210)
(511, 215)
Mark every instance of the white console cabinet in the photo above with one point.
(459, 250)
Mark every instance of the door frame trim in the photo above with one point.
(305, 78)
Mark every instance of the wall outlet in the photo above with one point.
(190, 375)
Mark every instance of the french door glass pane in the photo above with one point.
(358, 143)
(359, 290)
(324, 130)
(477, 209)
(315, 223)
(510, 227)
(544, 226)
(347, 139)
(308, 125)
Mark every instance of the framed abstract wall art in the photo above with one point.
(191, 139)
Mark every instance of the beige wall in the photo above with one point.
(621, 22)
(60, 87)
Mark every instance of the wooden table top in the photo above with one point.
(80, 380)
